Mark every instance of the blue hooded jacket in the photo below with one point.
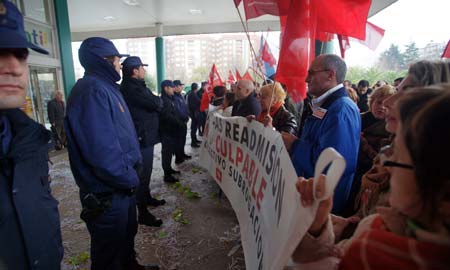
(103, 145)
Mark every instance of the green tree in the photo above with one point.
(391, 59)
(411, 54)
(372, 74)
(150, 82)
(199, 74)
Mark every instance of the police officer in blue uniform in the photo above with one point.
(30, 234)
(144, 108)
(104, 157)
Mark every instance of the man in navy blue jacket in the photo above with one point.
(104, 152)
(246, 103)
(335, 122)
(170, 125)
(193, 101)
(30, 234)
(183, 112)
(144, 108)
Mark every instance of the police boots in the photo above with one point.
(146, 218)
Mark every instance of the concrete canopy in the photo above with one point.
(138, 18)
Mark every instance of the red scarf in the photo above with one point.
(273, 110)
(379, 249)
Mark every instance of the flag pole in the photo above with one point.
(248, 36)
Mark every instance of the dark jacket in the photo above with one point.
(102, 142)
(193, 101)
(170, 122)
(248, 106)
(363, 100)
(144, 107)
(55, 111)
(29, 221)
(284, 120)
(181, 107)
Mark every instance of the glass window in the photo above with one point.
(37, 10)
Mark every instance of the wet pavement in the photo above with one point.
(200, 230)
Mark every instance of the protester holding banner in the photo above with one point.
(414, 232)
(335, 122)
(274, 114)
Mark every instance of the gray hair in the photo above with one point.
(336, 63)
(425, 72)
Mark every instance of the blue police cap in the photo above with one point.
(166, 83)
(11, 29)
(178, 83)
(133, 61)
(100, 46)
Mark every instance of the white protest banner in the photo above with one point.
(254, 170)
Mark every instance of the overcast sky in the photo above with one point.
(405, 21)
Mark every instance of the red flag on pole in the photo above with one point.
(214, 77)
(247, 76)
(231, 78)
(256, 8)
(297, 48)
(238, 75)
(446, 53)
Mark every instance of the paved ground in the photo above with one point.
(198, 233)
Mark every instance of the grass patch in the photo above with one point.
(186, 191)
(178, 216)
(79, 259)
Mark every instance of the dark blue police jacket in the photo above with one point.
(30, 234)
(102, 142)
(181, 107)
(144, 108)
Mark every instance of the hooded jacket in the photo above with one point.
(29, 220)
(103, 146)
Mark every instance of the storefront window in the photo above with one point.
(37, 10)
(43, 86)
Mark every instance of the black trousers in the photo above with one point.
(143, 191)
(112, 235)
(194, 126)
(181, 142)
(168, 146)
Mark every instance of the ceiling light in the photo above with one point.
(109, 18)
(195, 11)
(131, 2)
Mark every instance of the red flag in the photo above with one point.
(374, 34)
(345, 17)
(214, 77)
(446, 53)
(231, 78)
(297, 47)
(256, 8)
(238, 75)
(266, 55)
(237, 2)
(247, 76)
(344, 44)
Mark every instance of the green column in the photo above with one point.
(65, 44)
(324, 47)
(160, 62)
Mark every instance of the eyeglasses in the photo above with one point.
(389, 163)
(312, 72)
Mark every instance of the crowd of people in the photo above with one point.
(390, 210)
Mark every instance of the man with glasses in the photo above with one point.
(335, 122)
(104, 155)
(144, 108)
(30, 231)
